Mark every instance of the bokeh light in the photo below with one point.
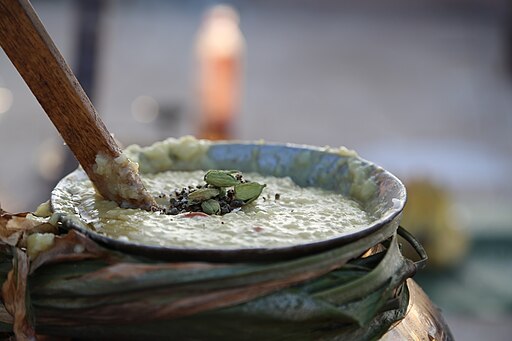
(49, 159)
(145, 109)
(6, 100)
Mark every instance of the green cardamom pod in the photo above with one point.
(221, 178)
(249, 191)
(210, 206)
(202, 194)
(222, 192)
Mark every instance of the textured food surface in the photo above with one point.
(284, 215)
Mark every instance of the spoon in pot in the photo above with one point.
(35, 56)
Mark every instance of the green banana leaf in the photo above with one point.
(79, 288)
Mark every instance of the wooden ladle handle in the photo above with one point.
(32, 51)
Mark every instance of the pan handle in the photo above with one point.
(420, 264)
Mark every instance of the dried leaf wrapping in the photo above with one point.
(71, 247)
(14, 226)
(14, 297)
(78, 284)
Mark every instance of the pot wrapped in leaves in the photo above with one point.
(242, 284)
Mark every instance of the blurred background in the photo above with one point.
(423, 88)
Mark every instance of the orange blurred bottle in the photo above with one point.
(220, 48)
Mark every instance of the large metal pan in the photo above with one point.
(380, 193)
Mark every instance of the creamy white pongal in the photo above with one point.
(298, 215)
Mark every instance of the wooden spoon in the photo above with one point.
(32, 51)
